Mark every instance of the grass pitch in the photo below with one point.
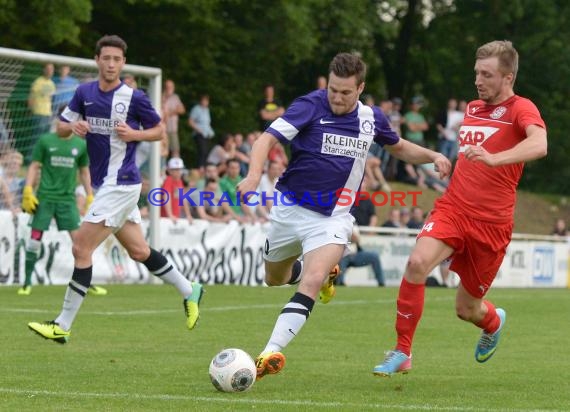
(130, 351)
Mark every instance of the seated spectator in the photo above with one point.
(408, 173)
(172, 184)
(417, 218)
(277, 154)
(359, 257)
(242, 212)
(393, 219)
(242, 153)
(404, 217)
(267, 186)
(431, 177)
(225, 150)
(210, 172)
(448, 124)
(207, 201)
(373, 169)
(560, 228)
(365, 212)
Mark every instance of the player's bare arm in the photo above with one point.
(532, 148)
(79, 128)
(128, 134)
(259, 153)
(415, 154)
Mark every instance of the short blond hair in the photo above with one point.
(505, 52)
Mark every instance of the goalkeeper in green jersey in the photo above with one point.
(58, 159)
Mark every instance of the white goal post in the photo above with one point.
(19, 69)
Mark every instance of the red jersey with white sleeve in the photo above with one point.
(480, 191)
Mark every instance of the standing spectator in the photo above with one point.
(201, 123)
(172, 108)
(39, 103)
(321, 83)
(12, 164)
(242, 153)
(448, 124)
(172, 184)
(416, 123)
(130, 81)
(560, 228)
(473, 221)
(65, 85)
(269, 108)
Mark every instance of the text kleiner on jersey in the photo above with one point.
(112, 161)
(328, 152)
(475, 188)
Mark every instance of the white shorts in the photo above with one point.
(115, 205)
(296, 231)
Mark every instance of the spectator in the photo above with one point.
(417, 218)
(416, 123)
(321, 82)
(39, 103)
(560, 228)
(448, 124)
(368, 100)
(392, 112)
(269, 108)
(431, 177)
(364, 211)
(267, 186)
(222, 152)
(404, 217)
(172, 107)
(395, 116)
(6, 199)
(228, 185)
(65, 85)
(242, 153)
(130, 81)
(12, 164)
(394, 219)
(201, 123)
(359, 257)
(208, 204)
(277, 154)
(172, 184)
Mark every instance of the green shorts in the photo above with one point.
(65, 213)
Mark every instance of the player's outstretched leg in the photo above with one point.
(269, 363)
(395, 362)
(488, 342)
(192, 305)
(328, 290)
(50, 330)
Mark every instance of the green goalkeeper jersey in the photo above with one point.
(61, 159)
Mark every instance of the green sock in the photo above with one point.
(31, 259)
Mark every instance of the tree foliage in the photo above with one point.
(231, 48)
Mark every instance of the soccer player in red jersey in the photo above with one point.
(472, 222)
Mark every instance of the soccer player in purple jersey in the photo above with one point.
(113, 118)
(330, 132)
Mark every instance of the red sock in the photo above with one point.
(410, 307)
(491, 322)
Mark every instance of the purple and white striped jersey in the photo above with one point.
(111, 161)
(328, 152)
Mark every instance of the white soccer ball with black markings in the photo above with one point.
(232, 370)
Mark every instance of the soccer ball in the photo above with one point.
(232, 370)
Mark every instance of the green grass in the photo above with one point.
(130, 351)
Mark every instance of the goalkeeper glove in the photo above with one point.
(29, 200)
(88, 201)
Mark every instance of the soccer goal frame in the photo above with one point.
(154, 91)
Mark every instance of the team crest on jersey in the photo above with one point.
(74, 151)
(367, 127)
(120, 108)
(498, 112)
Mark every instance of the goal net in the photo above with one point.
(34, 87)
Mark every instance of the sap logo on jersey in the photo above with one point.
(338, 145)
(474, 135)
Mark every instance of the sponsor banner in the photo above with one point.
(233, 254)
(7, 247)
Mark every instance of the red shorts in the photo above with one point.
(479, 246)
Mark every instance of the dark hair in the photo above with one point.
(210, 180)
(232, 160)
(111, 41)
(346, 65)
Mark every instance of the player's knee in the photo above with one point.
(139, 253)
(417, 267)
